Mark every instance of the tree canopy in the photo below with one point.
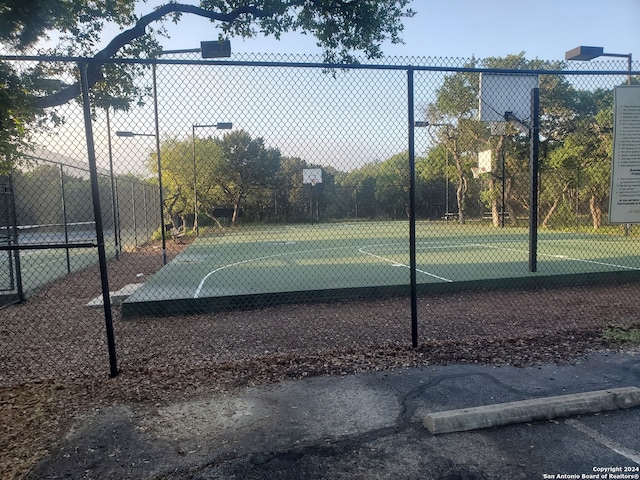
(342, 28)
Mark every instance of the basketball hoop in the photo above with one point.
(476, 172)
(312, 176)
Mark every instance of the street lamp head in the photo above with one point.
(125, 133)
(224, 125)
(422, 124)
(584, 53)
(215, 49)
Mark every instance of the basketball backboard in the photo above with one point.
(501, 93)
(484, 161)
(311, 175)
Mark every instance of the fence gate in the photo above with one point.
(10, 282)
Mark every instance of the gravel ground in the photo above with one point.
(55, 365)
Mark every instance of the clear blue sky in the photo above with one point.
(543, 29)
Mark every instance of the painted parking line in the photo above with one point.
(604, 440)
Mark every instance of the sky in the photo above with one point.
(543, 29)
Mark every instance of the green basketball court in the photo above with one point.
(249, 266)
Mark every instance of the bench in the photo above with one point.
(177, 233)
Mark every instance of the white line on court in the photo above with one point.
(604, 440)
(563, 257)
(197, 294)
(206, 277)
(394, 263)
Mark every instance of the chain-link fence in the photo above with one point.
(234, 187)
(50, 216)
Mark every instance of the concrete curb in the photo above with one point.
(118, 296)
(532, 410)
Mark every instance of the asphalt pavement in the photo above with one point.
(367, 426)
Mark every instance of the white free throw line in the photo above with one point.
(362, 250)
(604, 440)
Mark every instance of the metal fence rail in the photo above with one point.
(290, 182)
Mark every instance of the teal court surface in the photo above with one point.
(248, 267)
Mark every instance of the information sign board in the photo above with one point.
(624, 198)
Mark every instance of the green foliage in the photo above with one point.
(435, 165)
(340, 27)
(291, 200)
(575, 128)
(630, 335)
(228, 171)
(24, 22)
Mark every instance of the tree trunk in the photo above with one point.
(461, 201)
(547, 218)
(236, 210)
(508, 206)
(596, 212)
(461, 192)
(495, 211)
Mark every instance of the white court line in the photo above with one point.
(362, 250)
(206, 277)
(604, 440)
(197, 294)
(563, 257)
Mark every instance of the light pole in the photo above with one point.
(114, 204)
(583, 53)
(208, 49)
(127, 134)
(424, 124)
(219, 126)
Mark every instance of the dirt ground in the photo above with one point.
(55, 366)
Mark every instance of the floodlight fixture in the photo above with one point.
(583, 53)
(208, 49)
(219, 126)
(125, 133)
(215, 49)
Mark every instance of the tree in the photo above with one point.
(341, 27)
(233, 170)
(455, 109)
(584, 158)
(178, 177)
(359, 186)
(244, 166)
(392, 186)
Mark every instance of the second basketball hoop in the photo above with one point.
(311, 176)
